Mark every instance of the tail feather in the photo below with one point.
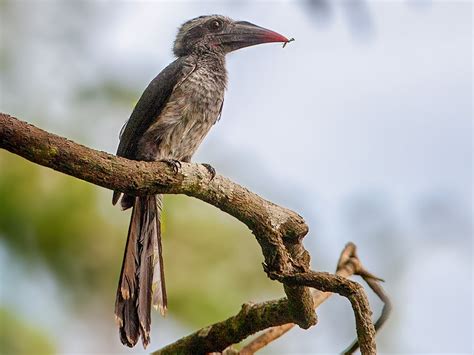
(160, 300)
(125, 304)
(145, 272)
(142, 278)
(127, 320)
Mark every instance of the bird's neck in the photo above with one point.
(210, 59)
(213, 63)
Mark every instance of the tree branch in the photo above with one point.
(279, 231)
(215, 338)
(353, 291)
(274, 227)
(255, 317)
(349, 264)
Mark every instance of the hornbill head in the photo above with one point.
(220, 34)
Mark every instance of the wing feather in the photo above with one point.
(149, 107)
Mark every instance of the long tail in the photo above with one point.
(141, 282)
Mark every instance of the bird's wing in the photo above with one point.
(150, 105)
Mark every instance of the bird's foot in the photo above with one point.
(211, 171)
(173, 164)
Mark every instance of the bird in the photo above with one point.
(168, 123)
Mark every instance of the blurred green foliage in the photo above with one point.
(53, 219)
(212, 262)
(12, 329)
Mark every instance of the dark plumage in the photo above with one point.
(169, 122)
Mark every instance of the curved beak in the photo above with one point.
(244, 34)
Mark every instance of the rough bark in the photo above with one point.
(279, 231)
(349, 264)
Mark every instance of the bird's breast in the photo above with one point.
(191, 111)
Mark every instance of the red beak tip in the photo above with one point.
(281, 38)
(288, 41)
(272, 36)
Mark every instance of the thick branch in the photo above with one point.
(279, 231)
(215, 338)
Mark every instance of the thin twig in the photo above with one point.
(375, 285)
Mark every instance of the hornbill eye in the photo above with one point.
(215, 25)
